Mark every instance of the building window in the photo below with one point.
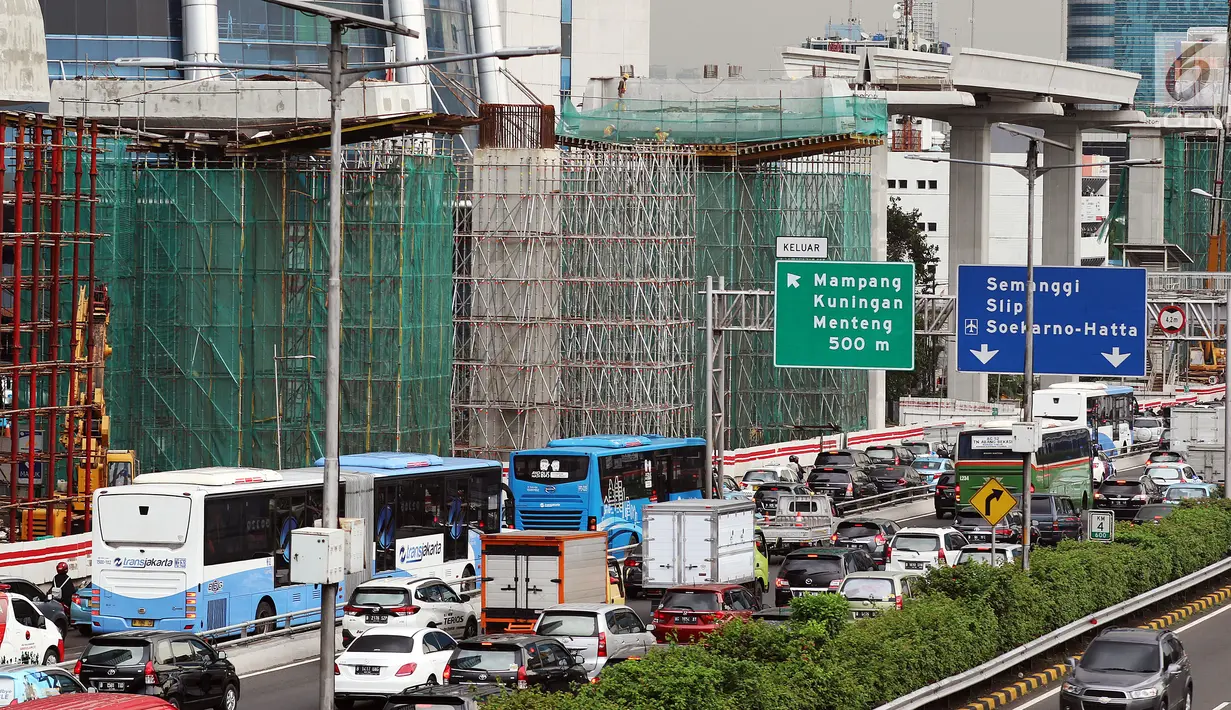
(922, 184)
(566, 10)
(931, 226)
(921, 226)
(566, 74)
(931, 184)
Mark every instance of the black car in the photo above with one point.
(1138, 668)
(1164, 441)
(51, 608)
(869, 534)
(774, 616)
(766, 497)
(443, 697)
(945, 496)
(1153, 513)
(842, 459)
(893, 478)
(1125, 496)
(978, 531)
(1055, 517)
(1164, 456)
(515, 660)
(842, 484)
(895, 455)
(174, 665)
(815, 570)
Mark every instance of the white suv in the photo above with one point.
(918, 549)
(408, 603)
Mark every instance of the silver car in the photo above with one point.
(596, 634)
(1148, 429)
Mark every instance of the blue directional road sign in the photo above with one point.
(1087, 320)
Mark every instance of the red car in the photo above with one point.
(691, 611)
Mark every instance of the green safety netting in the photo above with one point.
(710, 121)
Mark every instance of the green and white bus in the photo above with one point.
(1062, 465)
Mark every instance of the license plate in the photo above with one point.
(367, 670)
(914, 565)
(851, 544)
(864, 614)
(377, 618)
(685, 619)
(143, 622)
(978, 538)
(109, 685)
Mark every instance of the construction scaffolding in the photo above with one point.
(218, 274)
(48, 304)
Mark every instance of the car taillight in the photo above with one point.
(833, 538)
(659, 617)
(77, 599)
(602, 644)
(707, 618)
(888, 553)
(896, 461)
(404, 610)
(408, 669)
(940, 558)
(957, 490)
(352, 610)
(1140, 497)
(901, 481)
(879, 539)
(781, 583)
(523, 681)
(448, 671)
(77, 668)
(151, 678)
(1098, 495)
(1032, 488)
(60, 647)
(833, 583)
(897, 602)
(592, 523)
(336, 670)
(850, 488)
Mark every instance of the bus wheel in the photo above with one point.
(472, 585)
(264, 610)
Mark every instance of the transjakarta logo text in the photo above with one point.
(143, 562)
(416, 553)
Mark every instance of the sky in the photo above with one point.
(686, 34)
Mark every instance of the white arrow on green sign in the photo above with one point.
(845, 314)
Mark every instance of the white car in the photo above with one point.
(409, 603)
(916, 549)
(1148, 429)
(383, 662)
(28, 636)
(1168, 474)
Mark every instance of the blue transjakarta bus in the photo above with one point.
(602, 482)
(205, 548)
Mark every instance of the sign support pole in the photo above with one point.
(1226, 404)
(1032, 174)
(707, 489)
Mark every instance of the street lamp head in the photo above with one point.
(916, 156)
(511, 52)
(1203, 193)
(1134, 162)
(147, 62)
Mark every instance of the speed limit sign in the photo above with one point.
(1171, 319)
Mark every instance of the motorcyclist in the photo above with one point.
(62, 587)
(794, 461)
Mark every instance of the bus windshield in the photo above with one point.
(129, 518)
(992, 444)
(551, 469)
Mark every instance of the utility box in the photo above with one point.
(1026, 437)
(357, 544)
(699, 541)
(318, 556)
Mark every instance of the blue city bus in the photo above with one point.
(602, 482)
(201, 549)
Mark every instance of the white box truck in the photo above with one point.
(1197, 432)
(698, 542)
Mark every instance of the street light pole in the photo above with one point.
(1031, 171)
(1226, 400)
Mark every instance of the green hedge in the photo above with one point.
(967, 616)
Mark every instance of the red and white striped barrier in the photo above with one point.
(36, 561)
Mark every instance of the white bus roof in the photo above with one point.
(232, 481)
(212, 476)
(1007, 424)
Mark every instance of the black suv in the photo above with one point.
(766, 497)
(842, 475)
(894, 455)
(946, 495)
(869, 534)
(892, 477)
(1125, 496)
(517, 660)
(174, 665)
(1130, 663)
(442, 697)
(978, 532)
(1055, 518)
(813, 570)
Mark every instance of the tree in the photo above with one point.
(907, 242)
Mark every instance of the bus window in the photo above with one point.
(551, 469)
(688, 470)
(625, 477)
(237, 528)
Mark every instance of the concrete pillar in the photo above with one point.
(880, 252)
(488, 37)
(969, 195)
(200, 36)
(409, 13)
(1145, 187)
(1061, 224)
(23, 54)
(516, 270)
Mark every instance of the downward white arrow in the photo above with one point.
(984, 354)
(792, 280)
(1115, 357)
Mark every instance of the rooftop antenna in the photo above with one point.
(972, 23)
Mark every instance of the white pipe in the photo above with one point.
(200, 36)
(488, 37)
(409, 13)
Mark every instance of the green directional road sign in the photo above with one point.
(845, 314)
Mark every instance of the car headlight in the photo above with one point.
(1071, 687)
(1142, 694)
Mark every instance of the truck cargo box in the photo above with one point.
(526, 571)
(698, 542)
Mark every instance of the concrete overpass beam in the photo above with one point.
(1061, 227)
(969, 194)
(877, 390)
(1145, 187)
